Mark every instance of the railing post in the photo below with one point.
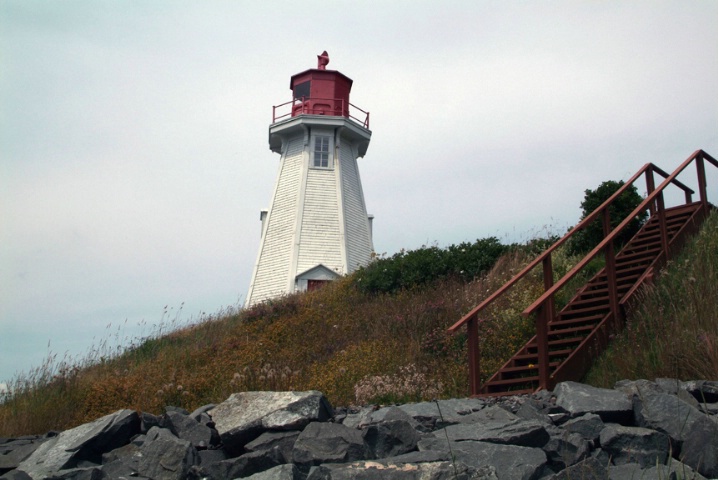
(650, 187)
(545, 315)
(663, 224)
(542, 344)
(701, 170)
(611, 280)
(472, 330)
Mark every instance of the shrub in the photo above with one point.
(586, 239)
(408, 269)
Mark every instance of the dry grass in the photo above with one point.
(330, 340)
(383, 347)
(673, 332)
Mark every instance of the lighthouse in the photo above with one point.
(316, 228)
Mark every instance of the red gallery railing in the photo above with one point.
(337, 107)
(544, 306)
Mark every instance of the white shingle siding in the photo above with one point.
(275, 250)
(320, 240)
(317, 216)
(356, 223)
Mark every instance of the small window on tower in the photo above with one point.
(321, 152)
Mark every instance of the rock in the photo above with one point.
(627, 471)
(703, 390)
(674, 470)
(184, 427)
(329, 443)
(165, 457)
(14, 451)
(635, 445)
(390, 438)
(496, 425)
(589, 426)
(578, 399)
(245, 415)
(370, 470)
(83, 443)
(566, 449)
(281, 472)
(589, 469)
(245, 465)
(433, 415)
(667, 414)
(509, 461)
(700, 447)
(283, 440)
(197, 413)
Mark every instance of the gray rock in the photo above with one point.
(197, 413)
(244, 465)
(579, 399)
(280, 472)
(165, 457)
(375, 470)
(566, 449)
(244, 416)
(533, 410)
(207, 457)
(184, 427)
(13, 452)
(700, 447)
(704, 391)
(83, 443)
(589, 469)
(589, 426)
(329, 443)
(510, 462)
(433, 415)
(121, 462)
(284, 441)
(627, 471)
(667, 414)
(390, 438)
(497, 426)
(15, 475)
(675, 470)
(635, 445)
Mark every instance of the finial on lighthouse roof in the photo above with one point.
(322, 60)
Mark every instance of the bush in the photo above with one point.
(585, 240)
(407, 269)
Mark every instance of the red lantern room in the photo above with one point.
(319, 91)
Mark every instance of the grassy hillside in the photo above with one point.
(360, 345)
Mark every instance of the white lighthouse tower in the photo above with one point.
(317, 227)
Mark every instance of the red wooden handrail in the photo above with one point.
(544, 305)
(698, 154)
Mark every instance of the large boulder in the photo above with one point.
(579, 399)
(85, 443)
(164, 456)
(390, 438)
(635, 445)
(510, 462)
(329, 443)
(245, 415)
(496, 425)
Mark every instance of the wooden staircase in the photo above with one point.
(566, 342)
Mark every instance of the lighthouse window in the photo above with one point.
(301, 90)
(321, 152)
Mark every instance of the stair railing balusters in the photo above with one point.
(610, 257)
(544, 316)
(472, 330)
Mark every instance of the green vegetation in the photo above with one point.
(359, 344)
(586, 239)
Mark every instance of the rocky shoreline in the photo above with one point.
(665, 429)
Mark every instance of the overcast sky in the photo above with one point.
(133, 136)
